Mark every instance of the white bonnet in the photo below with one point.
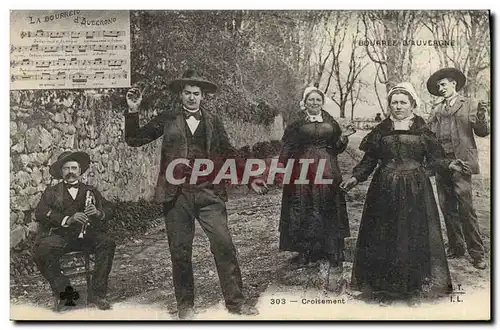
(307, 91)
(406, 86)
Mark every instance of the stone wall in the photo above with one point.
(45, 123)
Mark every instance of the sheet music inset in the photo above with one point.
(69, 49)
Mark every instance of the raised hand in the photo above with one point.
(134, 99)
(482, 108)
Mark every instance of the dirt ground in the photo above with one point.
(140, 285)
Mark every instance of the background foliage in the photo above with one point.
(255, 81)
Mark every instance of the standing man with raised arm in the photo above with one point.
(192, 132)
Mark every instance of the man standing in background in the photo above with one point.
(455, 121)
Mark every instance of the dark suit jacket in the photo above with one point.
(464, 124)
(50, 211)
(171, 124)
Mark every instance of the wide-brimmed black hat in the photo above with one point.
(78, 156)
(452, 73)
(192, 77)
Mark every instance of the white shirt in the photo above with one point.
(403, 124)
(451, 101)
(315, 118)
(192, 122)
(73, 191)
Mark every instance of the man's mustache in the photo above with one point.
(71, 175)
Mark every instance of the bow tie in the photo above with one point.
(317, 119)
(71, 186)
(195, 114)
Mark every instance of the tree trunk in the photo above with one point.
(342, 109)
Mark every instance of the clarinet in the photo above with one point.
(88, 201)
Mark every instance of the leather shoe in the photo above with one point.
(186, 313)
(453, 254)
(384, 302)
(244, 309)
(479, 264)
(59, 305)
(299, 260)
(414, 302)
(101, 303)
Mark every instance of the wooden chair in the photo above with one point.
(79, 263)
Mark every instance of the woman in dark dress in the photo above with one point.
(400, 252)
(313, 216)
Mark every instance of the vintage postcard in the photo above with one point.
(250, 165)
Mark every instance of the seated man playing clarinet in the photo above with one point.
(73, 217)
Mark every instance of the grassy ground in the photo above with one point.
(141, 287)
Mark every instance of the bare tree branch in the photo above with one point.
(377, 60)
(376, 89)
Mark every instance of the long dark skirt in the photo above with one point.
(314, 221)
(400, 248)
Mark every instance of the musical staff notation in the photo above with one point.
(67, 48)
(72, 34)
(70, 49)
(62, 62)
(75, 77)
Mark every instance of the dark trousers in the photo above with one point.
(49, 249)
(201, 203)
(455, 199)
